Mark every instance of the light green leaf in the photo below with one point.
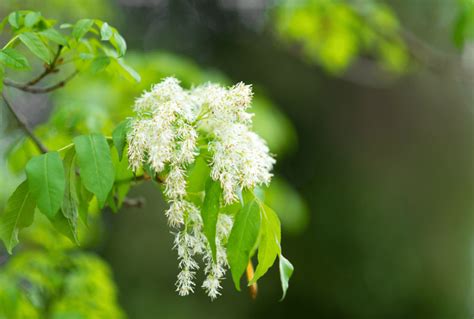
(81, 28)
(95, 162)
(210, 213)
(70, 202)
(286, 271)
(119, 137)
(198, 175)
(242, 239)
(106, 32)
(36, 46)
(269, 247)
(126, 71)
(55, 36)
(62, 225)
(14, 59)
(14, 19)
(46, 181)
(84, 198)
(99, 64)
(119, 43)
(19, 213)
(32, 18)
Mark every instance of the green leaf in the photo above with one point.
(126, 71)
(70, 203)
(119, 137)
(99, 64)
(119, 43)
(2, 74)
(269, 247)
(62, 225)
(19, 213)
(242, 239)
(14, 19)
(95, 162)
(46, 180)
(55, 36)
(84, 198)
(36, 46)
(210, 213)
(14, 59)
(81, 28)
(32, 18)
(286, 271)
(106, 32)
(198, 175)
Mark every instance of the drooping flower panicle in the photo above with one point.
(166, 136)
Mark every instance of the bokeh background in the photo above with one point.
(368, 106)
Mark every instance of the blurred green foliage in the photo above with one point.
(334, 33)
(464, 24)
(57, 285)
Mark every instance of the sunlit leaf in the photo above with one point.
(46, 181)
(242, 239)
(34, 43)
(18, 213)
(81, 28)
(269, 247)
(210, 213)
(14, 59)
(286, 271)
(96, 168)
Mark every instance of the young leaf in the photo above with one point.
(62, 225)
(70, 202)
(210, 213)
(106, 32)
(55, 36)
(95, 162)
(99, 63)
(269, 247)
(14, 19)
(286, 271)
(127, 72)
(34, 43)
(46, 181)
(84, 198)
(119, 43)
(19, 213)
(32, 18)
(81, 28)
(14, 59)
(242, 239)
(198, 175)
(119, 137)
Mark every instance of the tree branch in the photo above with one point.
(51, 68)
(29, 89)
(24, 126)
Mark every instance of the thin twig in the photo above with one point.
(24, 126)
(47, 70)
(34, 90)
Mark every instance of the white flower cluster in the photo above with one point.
(164, 136)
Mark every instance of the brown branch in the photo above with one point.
(24, 126)
(29, 89)
(51, 68)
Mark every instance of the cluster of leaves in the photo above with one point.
(61, 186)
(335, 33)
(83, 44)
(39, 284)
(464, 24)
